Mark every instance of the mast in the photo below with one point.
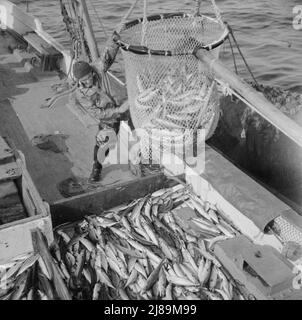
(89, 31)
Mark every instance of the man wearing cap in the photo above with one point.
(91, 96)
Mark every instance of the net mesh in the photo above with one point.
(288, 231)
(171, 97)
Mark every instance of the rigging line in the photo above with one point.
(79, 19)
(197, 7)
(126, 16)
(144, 25)
(217, 12)
(99, 19)
(241, 54)
(233, 55)
(72, 26)
(71, 14)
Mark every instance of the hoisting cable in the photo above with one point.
(144, 25)
(126, 16)
(70, 12)
(197, 8)
(99, 19)
(74, 35)
(217, 13)
(233, 55)
(241, 54)
(80, 30)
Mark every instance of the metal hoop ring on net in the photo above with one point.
(169, 90)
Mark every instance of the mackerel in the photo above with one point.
(120, 233)
(187, 257)
(102, 276)
(213, 279)
(161, 283)
(153, 277)
(28, 263)
(129, 252)
(139, 268)
(131, 264)
(184, 282)
(178, 271)
(188, 272)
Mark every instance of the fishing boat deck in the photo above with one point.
(22, 93)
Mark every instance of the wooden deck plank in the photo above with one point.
(22, 119)
(37, 160)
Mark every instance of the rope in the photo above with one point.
(233, 55)
(79, 29)
(217, 12)
(241, 54)
(71, 12)
(99, 19)
(104, 78)
(124, 19)
(197, 8)
(144, 24)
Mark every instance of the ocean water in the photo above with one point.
(263, 29)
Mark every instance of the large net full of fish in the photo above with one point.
(172, 94)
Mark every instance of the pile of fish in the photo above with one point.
(141, 251)
(176, 101)
(26, 278)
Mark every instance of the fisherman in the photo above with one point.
(91, 96)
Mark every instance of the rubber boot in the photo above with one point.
(95, 175)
